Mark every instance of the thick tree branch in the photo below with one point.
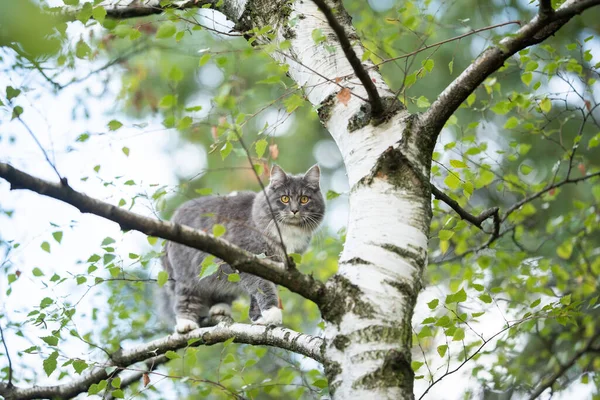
(283, 338)
(359, 69)
(536, 31)
(144, 8)
(236, 257)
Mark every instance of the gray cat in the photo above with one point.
(298, 208)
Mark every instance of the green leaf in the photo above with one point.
(433, 304)
(162, 278)
(332, 195)
(49, 363)
(225, 150)
(459, 334)
(228, 342)
(51, 340)
(118, 394)
(167, 101)
(17, 111)
(526, 78)
(218, 230)
(452, 181)
(81, 280)
(233, 277)
(113, 125)
(415, 365)
(116, 382)
(260, 147)
(428, 64)
(565, 250)
(37, 272)
(203, 191)
(166, 30)
(11, 92)
(208, 269)
(99, 13)
(546, 105)
(525, 169)
(458, 164)
(204, 59)
(471, 99)
(445, 234)
(171, 355)
(82, 50)
(57, 236)
(320, 383)
(486, 298)
(511, 123)
(423, 102)
(152, 240)
(79, 366)
(442, 350)
(46, 247)
(125, 151)
(594, 141)
(317, 36)
(297, 258)
(293, 102)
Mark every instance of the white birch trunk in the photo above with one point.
(368, 327)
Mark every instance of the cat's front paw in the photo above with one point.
(185, 325)
(272, 316)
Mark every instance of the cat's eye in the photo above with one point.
(304, 199)
(285, 199)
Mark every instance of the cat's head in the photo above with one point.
(297, 199)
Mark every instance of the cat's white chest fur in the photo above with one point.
(295, 238)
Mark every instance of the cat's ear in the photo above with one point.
(312, 176)
(278, 176)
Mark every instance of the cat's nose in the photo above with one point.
(294, 212)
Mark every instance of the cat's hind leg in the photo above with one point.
(189, 309)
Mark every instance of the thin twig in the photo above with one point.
(10, 368)
(452, 39)
(262, 188)
(564, 367)
(359, 69)
(62, 180)
(475, 220)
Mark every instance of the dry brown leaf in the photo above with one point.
(581, 168)
(213, 131)
(146, 379)
(274, 151)
(343, 96)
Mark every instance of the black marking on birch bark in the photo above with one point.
(413, 256)
(325, 107)
(362, 118)
(405, 288)
(357, 260)
(341, 342)
(332, 370)
(395, 372)
(344, 297)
